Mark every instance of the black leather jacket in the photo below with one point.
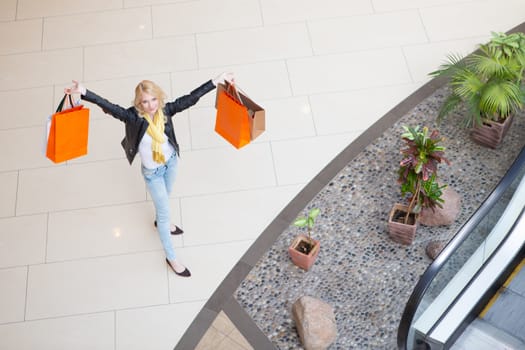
(136, 126)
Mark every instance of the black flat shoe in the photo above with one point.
(178, 230)
(185, 273)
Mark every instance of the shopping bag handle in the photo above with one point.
(237, 89)
(232, 90)
(61, 104)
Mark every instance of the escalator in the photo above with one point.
(473, 295)
(505, 309)
(501, 324)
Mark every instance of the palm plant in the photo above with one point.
(418, 169)
(488, 83)
(510, 48)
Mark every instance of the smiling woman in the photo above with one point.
(150, 133)
(147, 96)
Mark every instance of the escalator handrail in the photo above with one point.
(430, 273)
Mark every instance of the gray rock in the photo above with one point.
(442, 216)
(434, 248)
(315, 321)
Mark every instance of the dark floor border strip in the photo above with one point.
(244, 324)
(197, 329)
(222, 296)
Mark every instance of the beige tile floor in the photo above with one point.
(222, 335)
(80, 263)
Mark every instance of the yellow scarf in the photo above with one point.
(156, 131)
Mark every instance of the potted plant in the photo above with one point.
(304, 249)
(417, 176)
(489, 84)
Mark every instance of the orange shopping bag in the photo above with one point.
(232, 120)
(68, 134)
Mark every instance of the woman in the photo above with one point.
(150, 133)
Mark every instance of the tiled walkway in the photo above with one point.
(80, 263)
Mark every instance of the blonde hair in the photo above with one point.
(148, 87)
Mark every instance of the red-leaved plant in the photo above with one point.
(418, 169)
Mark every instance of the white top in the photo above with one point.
(146, 155)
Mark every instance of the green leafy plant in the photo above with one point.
(488, 83)
(510, 48)
(308, 221)
(418, 169)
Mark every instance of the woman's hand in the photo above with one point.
(222, 78)
(77, 88)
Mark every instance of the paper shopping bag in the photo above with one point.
(68, 133)
(232, 121)
(47, 128)
(47, 125)
(257, 116)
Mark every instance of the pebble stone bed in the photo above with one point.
(360, 271)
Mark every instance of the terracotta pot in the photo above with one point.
(304, 261)
(398, 230)
(491, 133)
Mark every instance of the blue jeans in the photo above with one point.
(159, 182)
